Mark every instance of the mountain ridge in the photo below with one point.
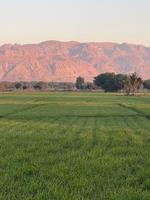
(74, 41)
(54, 60)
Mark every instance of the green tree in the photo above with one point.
(105, 81)
(120, 81)
(111, 82)
(80, 82)
(146, 84)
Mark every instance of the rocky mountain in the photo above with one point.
(64, 61)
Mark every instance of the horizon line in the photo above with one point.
(69, 41)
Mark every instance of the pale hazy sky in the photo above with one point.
(29, 21)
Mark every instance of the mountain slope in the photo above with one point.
(64, 61)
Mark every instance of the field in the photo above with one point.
(74, 146)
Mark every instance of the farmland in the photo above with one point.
(74, 146)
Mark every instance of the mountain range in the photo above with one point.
(64, 61)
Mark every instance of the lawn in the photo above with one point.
(74, 146)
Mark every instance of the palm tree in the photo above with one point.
(133, 84)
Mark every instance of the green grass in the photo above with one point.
(74, 146)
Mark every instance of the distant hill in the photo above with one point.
(64, 61)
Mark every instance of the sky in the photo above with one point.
(33, 21)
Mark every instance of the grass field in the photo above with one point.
(74, 146)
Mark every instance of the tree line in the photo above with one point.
(36, 85)
(108, 82)
(111, 82)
